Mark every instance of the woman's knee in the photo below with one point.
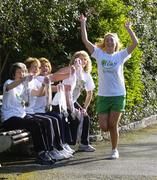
(104, 128)
(103, 122)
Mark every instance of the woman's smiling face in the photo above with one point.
(110, 42)
(19, 73)
(34, 68)
(45, 69)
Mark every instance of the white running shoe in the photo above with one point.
(86, 148)
(66, 154)
(68, 148)
(114, 154)
(55, 154)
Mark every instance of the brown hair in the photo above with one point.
(44, 60)
(31, 60)
(14, 67)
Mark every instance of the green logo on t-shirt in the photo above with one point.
(107, 64)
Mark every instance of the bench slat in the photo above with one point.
(19, 136)
(19, 141)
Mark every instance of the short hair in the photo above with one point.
(88, 67)
(45, 60)
(28, 62)
(14, 67)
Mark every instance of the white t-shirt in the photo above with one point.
(71, 80)
(34, 84)
(110, 72)
(12, 102)
(40, 103)
(86, 83)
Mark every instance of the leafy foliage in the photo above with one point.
(145, 19)
(50, 28)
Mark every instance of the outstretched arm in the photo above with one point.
(18, 82)
(62, 73)
(84, 36)
(58, 76)
(133, 38)
(14, 84)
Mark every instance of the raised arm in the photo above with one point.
(84, 36)
(133, 38)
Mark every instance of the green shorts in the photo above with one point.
(112, 103)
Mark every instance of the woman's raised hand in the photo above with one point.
(83, 18)
(78, 62)
(128, 25)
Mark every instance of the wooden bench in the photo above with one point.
(8, 139)
(12, 138)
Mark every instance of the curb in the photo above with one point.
(151, 120)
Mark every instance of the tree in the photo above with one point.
(50, 28)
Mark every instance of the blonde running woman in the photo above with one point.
(111, 91)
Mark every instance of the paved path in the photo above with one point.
(138, 161)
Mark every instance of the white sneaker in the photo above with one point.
(55, 154)
(66, 154)
(86, 148)
(68, 148)
(115, 154)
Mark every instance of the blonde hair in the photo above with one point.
(28, 62)
(88, 67)
(101, 43)
(46, 61)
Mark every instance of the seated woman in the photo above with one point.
(14, 115)
(37, 109)
(46, 100)
(82, 80)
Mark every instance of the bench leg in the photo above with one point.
(5, 143)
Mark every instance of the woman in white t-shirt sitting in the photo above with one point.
(47, 122)
(14, 114)
(84, 82)
(79, 120)
(62, 150)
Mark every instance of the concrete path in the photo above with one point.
(138, 161)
